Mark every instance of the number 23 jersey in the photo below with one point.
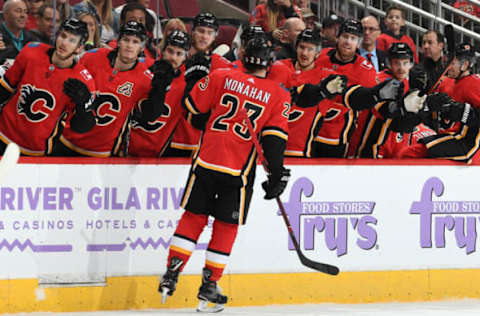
(226, 145)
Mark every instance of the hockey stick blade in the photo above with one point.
(9, 160)
(318, 266)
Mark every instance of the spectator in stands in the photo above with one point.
(394, 21)
(156, 27)
(302, 4)
(466, 7)
(291, 29)
(329, 32)
(32, 8)
(106, 17)
(368, 47)
(172, 25)
(433, 60)
(63, 7)
(310, 18)
(134, 11)
(93, 40)
(13, 33)
(45, 26)
(273, 14)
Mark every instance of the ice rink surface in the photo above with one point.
(450, 308)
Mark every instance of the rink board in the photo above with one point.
(93, 234)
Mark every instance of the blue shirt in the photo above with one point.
(374, 57)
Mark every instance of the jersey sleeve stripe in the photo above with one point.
(6, 85)
(348, 94)
(190, 105)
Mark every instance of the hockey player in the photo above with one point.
(220, 183)
(461, 71)
(123, 80)
(381, 118)
(304, 123)
(38, 100)
(205, 29)
(340, 118)
(150, 138)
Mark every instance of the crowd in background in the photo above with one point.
(286, 23)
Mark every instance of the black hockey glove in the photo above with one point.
(196, 67)
(448, 109)
(418, 78)
(79, 93)
(163, 74)
(276, 183)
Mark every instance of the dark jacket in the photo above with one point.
(11, 51)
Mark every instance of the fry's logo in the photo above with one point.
(336, 220)
(440, 216)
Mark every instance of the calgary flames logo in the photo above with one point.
(36, 104)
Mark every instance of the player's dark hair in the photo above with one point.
(132, 6)
(394, 7)
(439, 36)
(43, 7)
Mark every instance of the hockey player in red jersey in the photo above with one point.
(304, 123)
(278, 71)
(394, 22)
(465, 88)
(123, 80)
(220, 183)
(150, 138)
(37, 100)
(205, 29)
(340, 119)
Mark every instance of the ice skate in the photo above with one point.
(210, 292)
(170, 278)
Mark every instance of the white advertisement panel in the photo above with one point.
(85, 222)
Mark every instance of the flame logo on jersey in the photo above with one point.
(125, 89)
(35, 104)
(151, 127)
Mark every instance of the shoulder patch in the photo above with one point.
(366, 64)
(148, 73)
(141, 59)
(93, 50)
(33, 44)
(284, 88)
(86, 75)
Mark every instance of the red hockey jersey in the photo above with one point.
(152, 139)
(32, 117)
(226, 143)
(403, 145)
(118, 92)
(340, 119)
(187, 137)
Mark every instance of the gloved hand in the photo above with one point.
(163, 74)
(333, 85)
(413, 102)
(79, 93)
(276, 183)
(447, 108)
(418, 78)
(388, 90)
(197, 67)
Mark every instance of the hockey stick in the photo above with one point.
(9, 159)
(322, 267)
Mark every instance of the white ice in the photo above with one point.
(445, 308)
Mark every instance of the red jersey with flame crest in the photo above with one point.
(187, 137)
(118, 92)
(32, 116)
(151, 139)
(466, 90)
(304, 123)
(340, 119)
(226, 144)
